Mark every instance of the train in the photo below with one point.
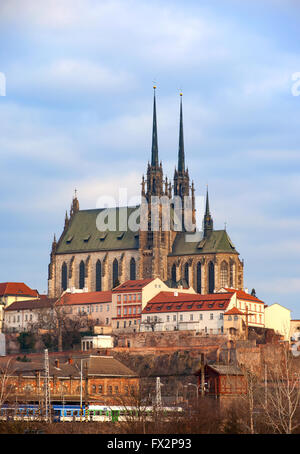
(92, 412)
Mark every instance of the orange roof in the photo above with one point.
(243, 295)
(16, 289)
(168, 302)
(132, 286)
(175, 296)
(234, 311)
(85, 298)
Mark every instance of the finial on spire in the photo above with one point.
(154, 151)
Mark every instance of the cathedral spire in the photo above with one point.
(154, 151)
(181, 163)
(207, 221)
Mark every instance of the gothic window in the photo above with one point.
(98, 277)
(198, 278)
(64, 276)
(211, 277)
(132, 269)
(173, 272)
(81, 274)
(231, 284)
(115, 273)
(224, 274)
(186, 273)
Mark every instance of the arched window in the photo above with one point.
(198, 277)
(186, 273)
(81, 274)
(115, 273)
(224, 274)
(173, 274)
(211, 277)
(98, 276)
(132, 269)
(64, 276)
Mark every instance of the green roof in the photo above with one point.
(82, 235)
(218, 241)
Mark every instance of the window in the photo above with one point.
(119, 311)
(181, 317)
(186, 273)
(107, 307)
(115, 273)
(129, 310)
(64, 276)
(125, 298)
(173, 273)
(200, 316)
(132, 269)
(221, 316)
(224, 274)
(211, 316)
(107, 321)
(168, 318)
(125, 324)
(211, 277)
(110, 390)
(125, 310)
(191, 317)
(98, 277)
(134, 309)
(118, 324)
(101, 308)
(174, 318)
(81, 274)
(198, 277)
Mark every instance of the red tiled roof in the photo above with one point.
(176, 296)
(243, 295)
(42, 302)
(85, 298)
(234, 311)
(16, 289)
(131, 286)
(168, 302)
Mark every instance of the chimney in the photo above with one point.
(175, 293)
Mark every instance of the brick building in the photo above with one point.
(105, 380)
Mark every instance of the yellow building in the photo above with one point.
(278, 318)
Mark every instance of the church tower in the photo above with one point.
(154, 242)
(182, 181)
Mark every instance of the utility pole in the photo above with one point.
(158, 393)
(202, 375)
(47, 387)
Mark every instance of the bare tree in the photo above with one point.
(5, 385)
(283, 394)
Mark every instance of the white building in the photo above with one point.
(21, 315)
(94, 342)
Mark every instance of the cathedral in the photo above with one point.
(86, 257)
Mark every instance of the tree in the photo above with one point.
(281, 402)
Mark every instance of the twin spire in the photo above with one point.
(154, 150)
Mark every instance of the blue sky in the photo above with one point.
(78, 109)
